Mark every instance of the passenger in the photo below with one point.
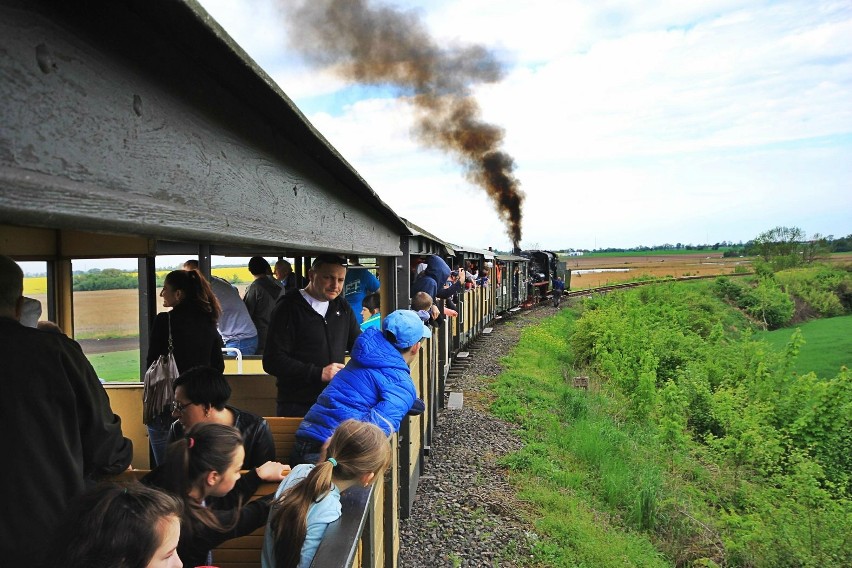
(482, 280)
(309, 499)
(360, 281)
(120, 526)
(260, 298)
(206, 463)
(558, 290)
(235, 324)
(449, 293)
(191, 323)
(433, 277)
(59, 432)
(375, 386)
(426, 309)
(201, 395)
(370, 312)
(310, 332)
(285, 276)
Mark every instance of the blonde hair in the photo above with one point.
(355, 449)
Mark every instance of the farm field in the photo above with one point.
(634, 267)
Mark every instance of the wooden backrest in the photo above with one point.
(283, 434)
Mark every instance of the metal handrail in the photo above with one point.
(238, 354)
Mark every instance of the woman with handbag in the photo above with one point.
(189, 333)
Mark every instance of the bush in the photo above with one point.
(106, 279)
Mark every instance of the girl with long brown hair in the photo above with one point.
(309, 498)
(206, 463)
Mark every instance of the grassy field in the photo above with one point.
(828, 345)
(117, 366)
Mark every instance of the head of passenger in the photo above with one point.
(11, 288)
(259, 266)
(120, 526)
(406, 331)
(190, 288)
(200, 396)
(206, 462)
(282, 269)
(422, 304)
(326, 277)
(190, 264)
(370, 306)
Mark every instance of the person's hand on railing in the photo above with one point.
(273, 471)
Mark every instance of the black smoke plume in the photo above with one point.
(374, 44)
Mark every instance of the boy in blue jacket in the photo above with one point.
(375, 386)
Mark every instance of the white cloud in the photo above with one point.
(631, 122)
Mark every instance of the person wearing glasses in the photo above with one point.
(309, 334)
(201, 396)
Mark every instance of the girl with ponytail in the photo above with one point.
(206, 463)
(189, 329)
(309, 498)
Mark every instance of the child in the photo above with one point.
(206, 463)
(119, 526)
(375, 386)
(309, 499)
(370, 311)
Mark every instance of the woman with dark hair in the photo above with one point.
(203, 464)
(119, 526)
(190, 328)
(201, 395)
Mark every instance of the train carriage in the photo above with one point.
(140, 129)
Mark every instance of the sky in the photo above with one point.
(631, 123)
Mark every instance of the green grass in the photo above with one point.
(117, 366)
(583, 476)
(828, 345)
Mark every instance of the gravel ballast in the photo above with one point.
(465, 512)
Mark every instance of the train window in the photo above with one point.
(106, 315)
(35, 288)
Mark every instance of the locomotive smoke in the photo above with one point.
(379, 45)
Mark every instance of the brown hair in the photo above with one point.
(114, 526)
(196, 290)
(206, 447)
(358, 448)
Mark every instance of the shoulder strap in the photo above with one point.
(169, 318)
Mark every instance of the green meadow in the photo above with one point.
(117, 366)
(827, 345)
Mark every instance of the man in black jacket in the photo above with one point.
(310, 332)
(59, 432)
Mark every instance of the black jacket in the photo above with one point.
(259, 446)
(59, 433)
(195, 338)
(301, 343)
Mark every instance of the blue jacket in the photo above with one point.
(375, 386)
(433, 278)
